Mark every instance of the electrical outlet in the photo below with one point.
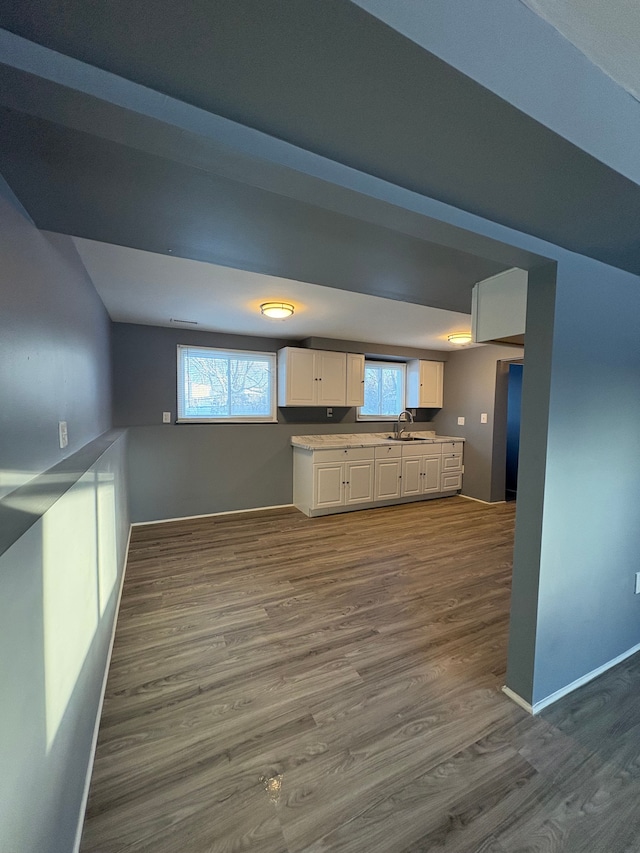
(166, 417)
(329, 413)
(460, 421)
(637, 583)
(63, 434)
(483, 418)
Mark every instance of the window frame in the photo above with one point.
(181, 418)
(380, 363)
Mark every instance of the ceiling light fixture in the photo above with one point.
(459, 338)
(278, 310)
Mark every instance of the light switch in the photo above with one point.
(166, 417)
(63, 435)
(483, 418)
(460, 421)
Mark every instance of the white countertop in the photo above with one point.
(363, 439)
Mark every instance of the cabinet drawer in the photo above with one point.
(389, 451)
(347, 454)
(452, 462)
(451, 482)
(421, 448)
(452, 446)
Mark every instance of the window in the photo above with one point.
(384, 384)
(226, 385)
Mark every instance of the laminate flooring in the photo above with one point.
(281, 684)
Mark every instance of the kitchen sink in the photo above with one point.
(408, 438)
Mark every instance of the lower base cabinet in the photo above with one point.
(342, 483)
(388, 479)
(421, 472)
(338, 480)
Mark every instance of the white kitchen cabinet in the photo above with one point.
(328, 485)
(342, 483)
(499, 307)
(332, 480)
(388, 473)
(309, 377)
(355, 379)
(338, 479)
(421, 471)
(359, 482)
(424, 384)
(452, 468)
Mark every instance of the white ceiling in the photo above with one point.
(608, 33)
(152, 289)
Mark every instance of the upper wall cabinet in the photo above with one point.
(424, 384)
(499, 307)
(309, 377)
(355, 379)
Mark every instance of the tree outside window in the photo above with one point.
(384, 390)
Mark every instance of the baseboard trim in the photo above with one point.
(211, 514)
(569, 688)
(584, 679)
(103, 690)
(478, 501)
(517, 699)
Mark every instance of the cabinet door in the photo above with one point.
(451, 462)
(297, 377)
(431, 473)
(331, 371)
(451, 482)
(412, 475)
(355, 379)
(328, 484)
(388, 480)
(431, 381)
(359, 477)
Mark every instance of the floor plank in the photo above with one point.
(282, 684)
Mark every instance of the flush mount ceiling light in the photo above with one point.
(278, 310)
(459, 338)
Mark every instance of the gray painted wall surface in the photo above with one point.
(531, 480)
(587, 611)
(58, 591)
(485, 41)
(469, 390)
(60, 570)
(179, 470)
(54, 349)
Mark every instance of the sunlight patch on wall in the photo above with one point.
(107, 546)
(70, 594)
(12, 479)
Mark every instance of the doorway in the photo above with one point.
(514, 403)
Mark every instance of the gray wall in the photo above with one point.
(59, 585)
(178, 470)
(577, 542)
(63, 527)
(54, 348)
(469, 390)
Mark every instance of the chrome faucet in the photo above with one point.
(409, 419)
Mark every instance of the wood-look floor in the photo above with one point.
(282, 684)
